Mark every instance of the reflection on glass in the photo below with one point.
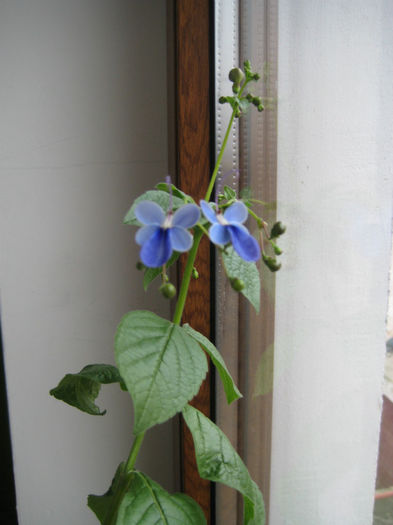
(383, 509)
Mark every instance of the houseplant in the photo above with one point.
(162, 363)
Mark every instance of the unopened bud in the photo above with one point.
(140, 266)
(236, 88)
(271, 263)
(277, 249)
(257, 101)
(195, 273)
(222, 100)
(261, 107)
(250, 97)
(236, 75)
(256, 76)
(237, 284)
(277, 230)
(168, 290)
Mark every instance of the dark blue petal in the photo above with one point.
(208, 212)
(243, 243)
(237, 212)
(181, 239)
(156, 251)
(148, 212)
(144, 234)
(219, 234)
(186, 216)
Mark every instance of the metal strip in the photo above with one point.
(247, 29)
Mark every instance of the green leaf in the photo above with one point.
(163, 186)
(231, 390)
(229, 193)
(147, 503)
(218, 461)
(151, 273)
(101, 504)
(162, 198)
(162, 366)
(81, 390)
(248, 272)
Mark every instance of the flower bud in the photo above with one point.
(250, 97)
(222, 100)
(140, 266)
(195, 273)
(236, 88)
(277, 230)
(236, 75)
(168, 290)
(277, 249)
(257, 101)
(260, 107)
(271, 263)
(237, 284)
(256, 76)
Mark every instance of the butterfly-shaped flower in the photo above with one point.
(164, 233)
(228, 227)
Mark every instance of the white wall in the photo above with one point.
(82, 133)
(335, 160)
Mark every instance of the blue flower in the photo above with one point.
(228, 227)
(162, 232)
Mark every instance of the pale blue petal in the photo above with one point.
(156, 251)
(219, 234)
(186, 216)
(144, 233)
(208, 212)
(148, 212)
(237, 212)
(243, 243)
(181, 239)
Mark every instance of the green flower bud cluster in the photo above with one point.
(240, 79)
(271, 263)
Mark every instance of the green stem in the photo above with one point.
(126, 475)
(181, 301)
(224, 143)
(219, 158)
(124, 481)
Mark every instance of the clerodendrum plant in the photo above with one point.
(162, 363)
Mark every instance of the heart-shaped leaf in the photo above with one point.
(236, 267)
(218, 461)
(231, 391)
(162, 366)
(81, 390)
(147, 503)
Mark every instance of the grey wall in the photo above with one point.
(82, 132)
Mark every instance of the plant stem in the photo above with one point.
(181, 301)
(219, 158)
(126, 475)
(124, 481)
